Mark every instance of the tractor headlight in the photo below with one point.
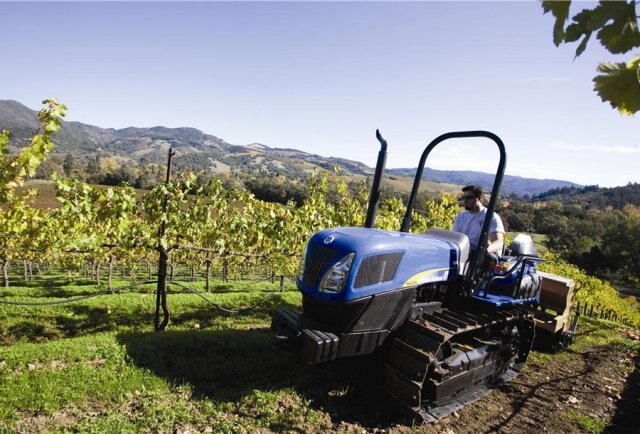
(302, 263)
(334, 279)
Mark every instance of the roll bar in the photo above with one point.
(406, 221)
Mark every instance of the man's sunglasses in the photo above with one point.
(468, 197)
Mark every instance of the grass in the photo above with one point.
(591, 333)
(404, 184)
(46, 197)
(96, 366)
(587, 423)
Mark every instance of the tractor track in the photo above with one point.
(417, 376)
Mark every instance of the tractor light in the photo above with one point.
(335, 278)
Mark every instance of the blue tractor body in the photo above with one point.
(389, 260)
(382, 261)
(450, 322)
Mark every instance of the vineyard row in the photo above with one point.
(211, 227)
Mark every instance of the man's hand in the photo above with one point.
(495, 243)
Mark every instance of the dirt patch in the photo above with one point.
(38, 423)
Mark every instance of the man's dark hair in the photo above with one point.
(475, 189)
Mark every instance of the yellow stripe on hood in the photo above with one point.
(423, 276)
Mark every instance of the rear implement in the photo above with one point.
(556, 319)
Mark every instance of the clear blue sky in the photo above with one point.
(321, 77)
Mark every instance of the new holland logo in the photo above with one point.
(329, 239)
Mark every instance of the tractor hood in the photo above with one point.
(380, 261)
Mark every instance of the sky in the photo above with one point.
(322, 77)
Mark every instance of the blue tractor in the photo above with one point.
(450, 323)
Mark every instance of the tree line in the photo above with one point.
(596, 229)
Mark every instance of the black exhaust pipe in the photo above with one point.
(376, 186)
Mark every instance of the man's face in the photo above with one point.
(471, 202)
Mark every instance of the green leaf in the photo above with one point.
(583, 44)
(5, 137)
(622, 34)
(619, 84)
(581, 28)
(560, 10)
(15, 169)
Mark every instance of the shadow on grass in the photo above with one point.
(73, 289)
(87, 320)
(51, 282)
(207, 315)
(228, 365)
(78, 320)
(625, 419)
(27, 331)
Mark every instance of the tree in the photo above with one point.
(69, 165)
(616, 26)
(93, 166)
(621, 242)
(14, 169)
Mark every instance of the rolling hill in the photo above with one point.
(196, 150)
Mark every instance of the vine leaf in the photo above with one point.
(616, 26)
(619, 84)
(560, 10)
(621, 34)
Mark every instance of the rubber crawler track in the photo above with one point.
(415, 375)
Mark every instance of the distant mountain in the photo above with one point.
(196, 150)
(510, 184)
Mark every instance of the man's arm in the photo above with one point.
(495, 242)
(456, 224)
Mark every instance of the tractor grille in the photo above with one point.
(377, 269)
(318, 257)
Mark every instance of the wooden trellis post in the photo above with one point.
(208, 263)
(163, 261)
